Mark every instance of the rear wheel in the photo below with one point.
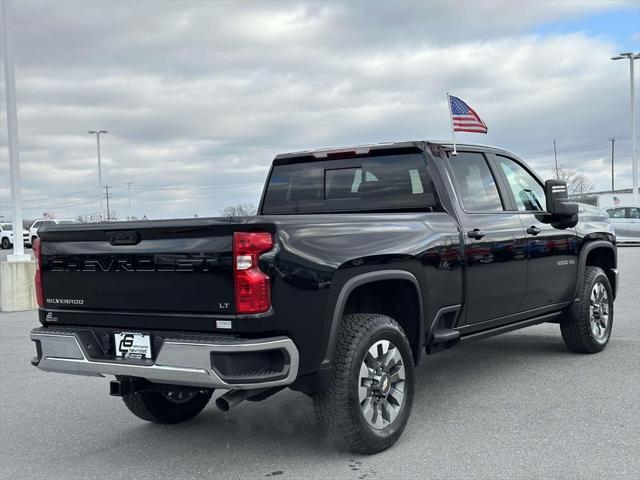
(367, 404)
(586, 327)
(170, 405)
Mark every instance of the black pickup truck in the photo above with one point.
(360, 261)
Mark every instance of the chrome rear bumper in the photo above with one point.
(178, 361)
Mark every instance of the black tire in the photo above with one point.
(5, 244)
(158, 407)
(576, 325)
(339, 409)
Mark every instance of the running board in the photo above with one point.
(472, 337)
(442, 339)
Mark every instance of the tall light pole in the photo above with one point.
(12, 132)
(634, 134)
(555, 155)
(97, 134)
(613, 148)
(128, 184)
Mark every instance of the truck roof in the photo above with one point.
(365, 148)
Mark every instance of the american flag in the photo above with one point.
(463, 117)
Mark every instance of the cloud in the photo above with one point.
(198, 97)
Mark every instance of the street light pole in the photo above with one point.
(555, 155)
(12, 133)
(613, 146)
(634, 134)
(97, 134)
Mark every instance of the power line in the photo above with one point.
(191, 186)
(568, 148)
(62, 195)
(51, 207)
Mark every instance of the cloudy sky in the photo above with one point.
(199, 96)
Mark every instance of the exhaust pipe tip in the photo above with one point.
(223, 404)
(235, 397)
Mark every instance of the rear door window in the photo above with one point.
(475, 184)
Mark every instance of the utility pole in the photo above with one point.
(634, 134)
(613, 143)
(555, 154)
(97, 134)
(107, 196)
(6, 43)
(128, 184)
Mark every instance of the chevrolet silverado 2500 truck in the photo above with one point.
(359, 262)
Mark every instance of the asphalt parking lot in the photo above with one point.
(518, 406)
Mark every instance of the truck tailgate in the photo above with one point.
(177, 266)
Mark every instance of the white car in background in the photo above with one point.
(626, 223)
(6, 236)
(33, 230)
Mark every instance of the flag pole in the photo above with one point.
(453, 132)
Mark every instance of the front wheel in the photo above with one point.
(586, 327)
(170, 405)
(368, 401)
(5, 244)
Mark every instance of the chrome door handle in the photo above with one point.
(476, 233)
(533, 230)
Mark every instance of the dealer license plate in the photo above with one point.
(132, 345)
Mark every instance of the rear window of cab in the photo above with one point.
(368, 184)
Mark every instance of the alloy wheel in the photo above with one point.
(599, 312)
(382, 380)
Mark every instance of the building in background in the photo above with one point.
(617, 198)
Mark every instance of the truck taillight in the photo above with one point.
(38, 278)
(253, 290)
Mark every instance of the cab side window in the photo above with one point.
(475, 184)
(528, 192)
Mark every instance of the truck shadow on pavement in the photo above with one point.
(284, 427)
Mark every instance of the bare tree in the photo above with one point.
(578, 184)
(240, 210)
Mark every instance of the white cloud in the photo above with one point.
(199, 97)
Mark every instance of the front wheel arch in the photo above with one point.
(598, 253)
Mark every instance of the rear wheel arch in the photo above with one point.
(402, 301)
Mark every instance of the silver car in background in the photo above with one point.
(626, 223)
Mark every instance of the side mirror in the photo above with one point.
(564, 213)
(558, 203)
